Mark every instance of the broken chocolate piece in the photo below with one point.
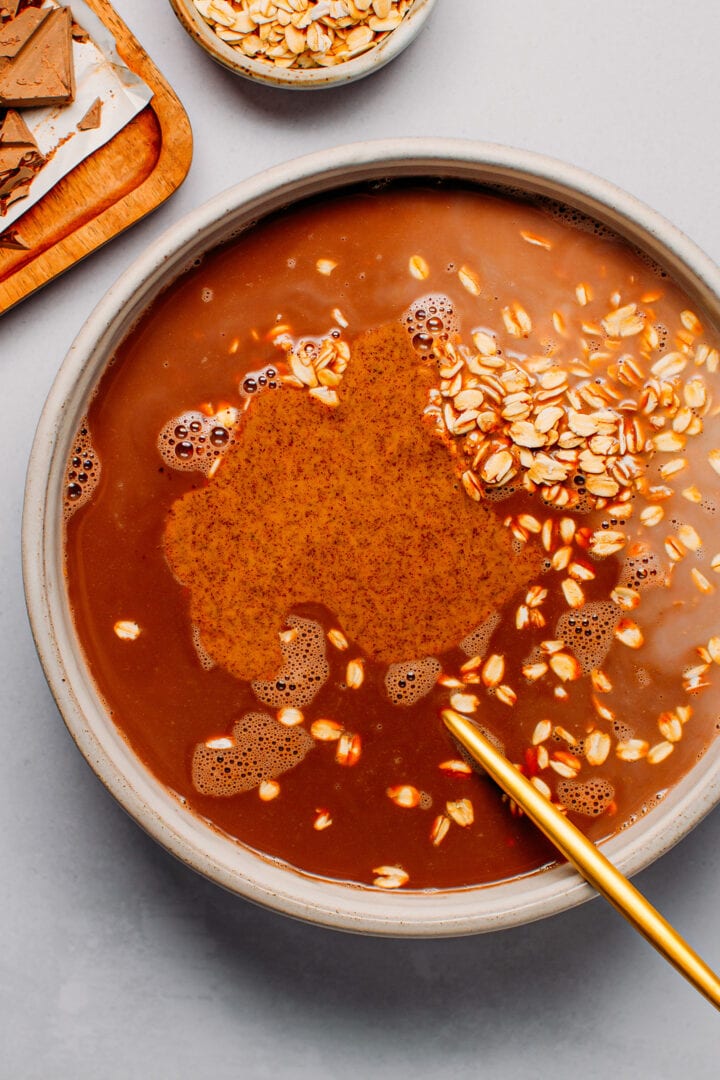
(15, 132)
(14, 35)
(19, 178)
(8, 9)
(20, 160)
(17, 145)
(91, 119)
(11, 158)
(12, 240)
(17, 193)
(42, 73)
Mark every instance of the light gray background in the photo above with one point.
(116, 961)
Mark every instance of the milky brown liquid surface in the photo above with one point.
(193, 348)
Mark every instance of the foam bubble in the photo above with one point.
(643, 571)
(588, 632)
(662, 333)
(478, 641)
(429, 319)
(260, 748)
(590, 798)
(304, 670)
(194, 441)
(82, 472)
(576, 219)
(407, 683)
(266, 378)
(622, 731)
(499, 494)
(643, 677)
(206, 660)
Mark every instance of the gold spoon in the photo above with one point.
(586, 858)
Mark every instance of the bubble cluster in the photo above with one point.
(643, 677)
(477, 642)
(407, 683)
(193, 442)
(82, 472)
(431, 318)
(206, 660)
(662, 332)
(588, 632)
(304, 670)
(622, 731)
(643, 571)
(653, 266)
(590, 798)
(260, 748)
(253, 382)
(576, 219)
(499, 494)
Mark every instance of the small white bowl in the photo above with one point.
(304, 78)
(431, 913)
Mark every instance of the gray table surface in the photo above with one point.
(116, 961)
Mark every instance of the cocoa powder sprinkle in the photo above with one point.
(357, 508)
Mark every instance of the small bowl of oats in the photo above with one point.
(303, 44)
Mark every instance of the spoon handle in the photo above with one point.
(586, 858)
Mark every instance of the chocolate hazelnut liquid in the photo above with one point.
(392, 451)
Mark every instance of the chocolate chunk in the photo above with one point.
(15, 132)
(11, 158)
(9, 9)
(13, 241)
(19, 178)
(20, 159)
(20, 191)
(14, 35)
(42, 73)
(92, 117)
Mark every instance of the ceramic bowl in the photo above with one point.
(268, 881)
(303, 78)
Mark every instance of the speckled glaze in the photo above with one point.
(156, 809)
(304, 78)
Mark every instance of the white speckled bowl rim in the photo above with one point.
(303, 78)
(159, 811)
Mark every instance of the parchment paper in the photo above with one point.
(99, 73)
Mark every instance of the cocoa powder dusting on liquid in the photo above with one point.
(357, 508)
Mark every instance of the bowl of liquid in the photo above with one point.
(391, 428)
(327, 44)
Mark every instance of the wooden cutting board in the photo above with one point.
(113, 188)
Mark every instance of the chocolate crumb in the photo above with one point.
(79, 35)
